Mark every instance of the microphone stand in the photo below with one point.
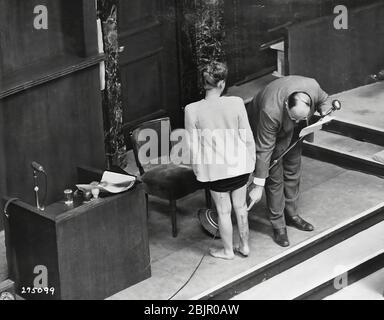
(36, 190)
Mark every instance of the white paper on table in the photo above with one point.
(116, 183)
(316, 126)
(111, 182)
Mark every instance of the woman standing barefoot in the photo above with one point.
(223, 155)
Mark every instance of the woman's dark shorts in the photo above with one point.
(228, 185)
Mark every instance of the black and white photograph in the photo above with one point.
(191, 155)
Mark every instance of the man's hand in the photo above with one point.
(255, 195)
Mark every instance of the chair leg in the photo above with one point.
(174, 218)
(208, 199)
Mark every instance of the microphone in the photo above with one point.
(336, 105)
(38, 167)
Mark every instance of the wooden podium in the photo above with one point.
(91, 251)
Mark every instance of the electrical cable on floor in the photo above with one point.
(194, 272)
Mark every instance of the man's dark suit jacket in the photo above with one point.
(270, 122)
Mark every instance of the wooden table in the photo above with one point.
(91, 250)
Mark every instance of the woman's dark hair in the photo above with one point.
(214, 73)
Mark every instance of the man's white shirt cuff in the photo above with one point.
(259, 182)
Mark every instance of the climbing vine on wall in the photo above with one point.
(210, 32)
(112, 99)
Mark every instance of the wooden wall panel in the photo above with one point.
(18, 34)
(149, 63)
(143, 100)
(58, 125)
(339, 59)
(245, 33)
(139, 11)
(3, 180)
(250, 24)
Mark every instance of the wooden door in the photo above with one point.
(149, 62)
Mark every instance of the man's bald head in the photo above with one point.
(299, 98)
(299, 105)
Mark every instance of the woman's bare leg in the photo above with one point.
(239, 200)
(224, 210)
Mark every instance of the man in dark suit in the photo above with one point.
(277, 116)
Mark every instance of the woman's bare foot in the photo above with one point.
(221, 254)
(242, 250)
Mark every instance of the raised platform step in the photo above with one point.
(306, 251)
(370, 288)
(327, 272)
(350, 145)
